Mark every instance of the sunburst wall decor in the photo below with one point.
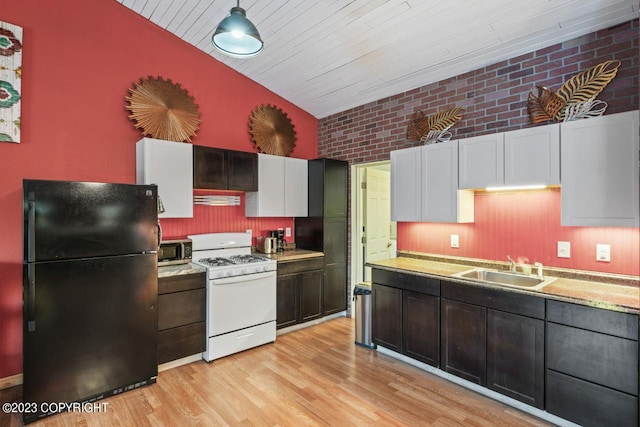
(271, 131)
(163, 110)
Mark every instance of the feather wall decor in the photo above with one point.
(434, 129)
(575, 99)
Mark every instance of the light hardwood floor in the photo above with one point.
(314, 376)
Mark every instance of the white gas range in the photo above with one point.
(241, 293)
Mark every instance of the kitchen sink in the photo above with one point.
(516, 280)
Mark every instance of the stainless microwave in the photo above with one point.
(173, 252)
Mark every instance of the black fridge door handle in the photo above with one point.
(31, 298)
(31, 228)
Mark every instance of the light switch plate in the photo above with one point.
(603, 252)
(455, 241)
(287, 232)
(564, 249)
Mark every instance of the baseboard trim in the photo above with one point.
(180, 362)
(544, 415)
(12, 381)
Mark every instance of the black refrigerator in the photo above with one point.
(90, 291)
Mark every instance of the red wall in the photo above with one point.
(525, 225)
(79, 60)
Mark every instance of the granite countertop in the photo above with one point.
(177, 270)
(597, 293)
(293, 255)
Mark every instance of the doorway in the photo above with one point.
(373, 233)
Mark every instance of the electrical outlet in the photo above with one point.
(287, 232)
(603, 252)
(564, 249)
(455, 241)
(249, 231)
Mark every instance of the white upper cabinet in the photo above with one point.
(282, 188)
(424, 185)
(532, 156)
(482, 161)
(296, 187)
(599, 171)
(406, 184)
(528, 156)
(441, 199)
(169, 165)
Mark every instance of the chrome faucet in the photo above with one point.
(539, 265)
(512, 264)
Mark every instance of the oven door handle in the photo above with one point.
(241, 279)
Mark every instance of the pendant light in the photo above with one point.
(237, 36)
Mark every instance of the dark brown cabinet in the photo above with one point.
(325, 229)
(464, 335)
(494, 338)
(220, 169)
(181, 316)
(577, 362)
(421, 327)
(387, 316)
(299, 291)
(287, 297)
(515, 356)
(406, 315)
(592, 365)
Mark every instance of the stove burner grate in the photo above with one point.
(246, 259)
(216, 262)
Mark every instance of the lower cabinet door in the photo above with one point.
(387, 317)
(287, 300)
(515, 357)
(464, 342)
(310, 284)
(334, 288)
(589, 404)
(421, 327)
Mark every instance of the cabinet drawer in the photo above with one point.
(182, 282)
(307, 264)
(181, 308)
(589, 404)
(595, 357)
(498, 299)
(622, 325)
(181, 342)
(410, 282)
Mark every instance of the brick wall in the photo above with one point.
(494, 96)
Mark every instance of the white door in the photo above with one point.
(377, 217)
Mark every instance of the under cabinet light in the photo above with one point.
(216, 200)
(517, 187)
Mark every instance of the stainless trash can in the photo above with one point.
(362, 299)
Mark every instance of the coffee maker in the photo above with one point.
(279, 236)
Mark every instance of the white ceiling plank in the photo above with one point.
(159, 10)
(330, 55)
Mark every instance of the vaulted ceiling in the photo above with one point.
(327, 56)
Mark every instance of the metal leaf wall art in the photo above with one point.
(163, 110)
(271, 130)
(434, 129)
(575, 99)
